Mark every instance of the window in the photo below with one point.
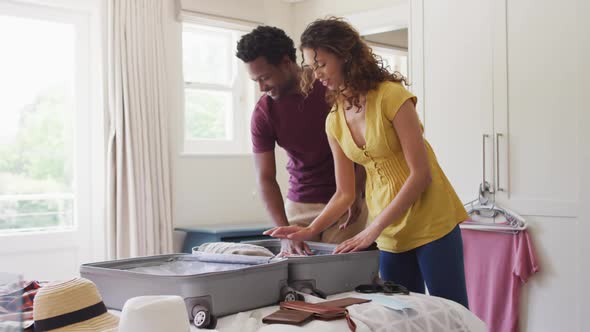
(37, 123)
(395, 59)
(46, 107)
(218, 96)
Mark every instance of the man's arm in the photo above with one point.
(266, 176)
(338, 204)
(360, 176)
(354, 212)
(268, 186)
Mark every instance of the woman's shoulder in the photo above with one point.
(388, 87)
(332, 117)
(390, 96)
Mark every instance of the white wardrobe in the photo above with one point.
(503, 93)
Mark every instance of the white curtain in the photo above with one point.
(138, 172)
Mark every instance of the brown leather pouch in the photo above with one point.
(345, 302)
(321, 311)
(285, 316)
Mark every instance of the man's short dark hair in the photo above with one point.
(269, 42)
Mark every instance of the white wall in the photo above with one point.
(398, 38)
(307, 11)
(206, 189)
(270, 12)
(584, 323)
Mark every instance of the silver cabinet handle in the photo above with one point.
(483, 157)
(485, 186)
(498, 188)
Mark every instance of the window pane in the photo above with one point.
(392, 61)
(388, 62)
(207, 55)
(36, 123)
(208, 114)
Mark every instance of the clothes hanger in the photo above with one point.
(484, 208)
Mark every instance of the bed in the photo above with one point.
(426, 314)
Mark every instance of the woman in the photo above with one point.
(414, 210)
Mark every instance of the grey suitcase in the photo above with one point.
(323, 273)
(206, 295)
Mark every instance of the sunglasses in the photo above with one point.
(386, 287)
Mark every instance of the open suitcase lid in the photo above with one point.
(179, 265)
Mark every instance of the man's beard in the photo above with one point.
(289, 86)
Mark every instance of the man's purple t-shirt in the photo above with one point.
(297, 124)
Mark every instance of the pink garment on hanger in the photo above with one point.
(496, 266)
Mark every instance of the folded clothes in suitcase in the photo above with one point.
(323, 273)
(211, 285)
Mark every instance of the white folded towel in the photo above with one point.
(235, 248)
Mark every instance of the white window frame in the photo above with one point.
(242, 88)
(391, 50)
(87, 232)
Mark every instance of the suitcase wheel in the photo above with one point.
(202, 316)
(293, 296)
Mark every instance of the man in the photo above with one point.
(286, 117)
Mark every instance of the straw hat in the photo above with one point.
(154, 314)
(74, 305)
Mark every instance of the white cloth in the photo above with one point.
(428, 313)
(139, 209)
(10, 326)
(232, 258)
(234, 249)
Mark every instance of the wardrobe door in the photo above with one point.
(457, 90)
(539, 168)
(537, 125)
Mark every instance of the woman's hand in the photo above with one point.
(360, 241)
(292, 247)
(297, 233)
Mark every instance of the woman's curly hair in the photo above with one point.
(362, 69)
